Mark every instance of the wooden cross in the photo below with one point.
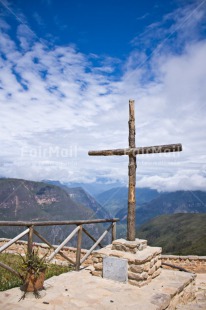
(132, 151)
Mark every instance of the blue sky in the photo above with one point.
(67, 72)
(99, 27)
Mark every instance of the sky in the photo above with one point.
(67, 72)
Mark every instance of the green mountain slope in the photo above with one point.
(178, 234)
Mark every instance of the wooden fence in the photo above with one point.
(79, 230)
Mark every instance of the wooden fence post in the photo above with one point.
(79, 245)
(30, 240)
(114, 228)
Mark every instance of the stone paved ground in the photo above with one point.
(80, 290)
(200, 301)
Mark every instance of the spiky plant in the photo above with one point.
(32, 264)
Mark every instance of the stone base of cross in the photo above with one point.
(132, 151)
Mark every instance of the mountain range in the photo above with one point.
(36, 201)
(165, 203)
(168, 203)
(28, 200)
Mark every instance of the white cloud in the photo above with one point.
(56, 105)
(179, 181)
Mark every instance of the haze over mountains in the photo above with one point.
(94, 188)
(28, 200)
(115, 199)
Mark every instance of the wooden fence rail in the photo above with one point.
(50, 223)
(79, 230)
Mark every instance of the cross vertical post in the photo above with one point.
(132, 151)
(132, 176)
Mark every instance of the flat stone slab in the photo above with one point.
(115, 269)
(80, 290)
(140, 257)
(129, 246)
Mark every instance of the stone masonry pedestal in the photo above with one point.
(142, 261)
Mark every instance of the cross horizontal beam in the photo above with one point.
(139, 150)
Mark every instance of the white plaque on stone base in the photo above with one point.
(115, 269)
